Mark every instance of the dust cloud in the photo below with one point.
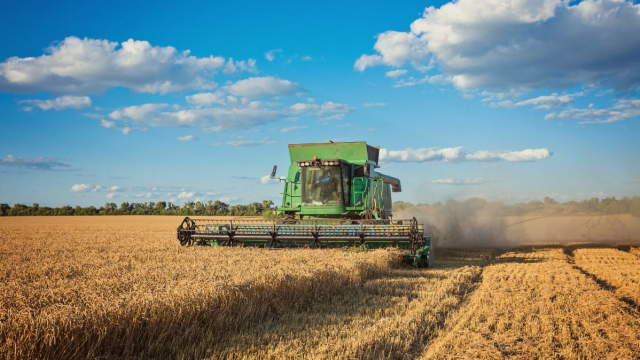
(476, 223)
(456, 224)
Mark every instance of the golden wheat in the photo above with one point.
(388, 317)
(617, 268)
(122, 287)
(78, 287)
(534, 304)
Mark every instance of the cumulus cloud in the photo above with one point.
(520, 44)
(208, 98)
(124, 129)
(111, 195)
(292, 128)
(328, 107)
(186, 195)
(541, 102)
(623, 109)
(242, 142)
(395, 73)
(460, 154)
(86, 65)
(232, 67)
(85, 188)
(96, 188)
(271, 54)
(187, 138)
(476, 181)
(37, 163)
(427, 79)
(59, 103)
(256, 87)
(235, 115)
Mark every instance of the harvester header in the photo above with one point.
(333, 196)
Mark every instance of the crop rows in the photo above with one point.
(122, 287)
(534, 304)
(123, 290)
(618, 269)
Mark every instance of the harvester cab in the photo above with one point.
(333, 197)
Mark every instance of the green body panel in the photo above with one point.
(353, 152)
(367, 193)
(332, 197)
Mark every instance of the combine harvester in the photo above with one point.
(333, 197)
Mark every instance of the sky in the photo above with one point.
(510, 100)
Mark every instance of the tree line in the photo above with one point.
(548, 205)
(191, 208)
(610, 205)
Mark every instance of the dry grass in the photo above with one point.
(536, 305)
(122, 287)
(616, 268)
(119, 287)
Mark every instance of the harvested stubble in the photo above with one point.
(534, 304)
(392, 316)
(617, 268)
(123, 287)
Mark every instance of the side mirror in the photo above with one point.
(273, 172)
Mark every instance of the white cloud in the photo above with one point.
(327, 108)
(59, 103)
(521, 44)
(233, 67)
(236, 114)
(460, 154)
(256, 87)
(86, 188)
(306, 58)
(111, 195)
(186, 195)
(301, 108)
(395, 73)
(37, 163)
(433, 80)
(330, 107)
(476, 181)
(292, 128)
(366, 61)
(541, 102)
(374, 104)
(207, 98)
(120, 127)
(187, 138)
(86, 65)
(623, 109)
(271, 54)
(96, 188)
(265, 141)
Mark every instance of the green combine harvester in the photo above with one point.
(333, 197)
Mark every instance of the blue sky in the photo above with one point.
(513, 101)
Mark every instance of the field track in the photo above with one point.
(122, 287)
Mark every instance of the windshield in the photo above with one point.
(322, 186)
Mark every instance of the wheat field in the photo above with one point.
(122, 287)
